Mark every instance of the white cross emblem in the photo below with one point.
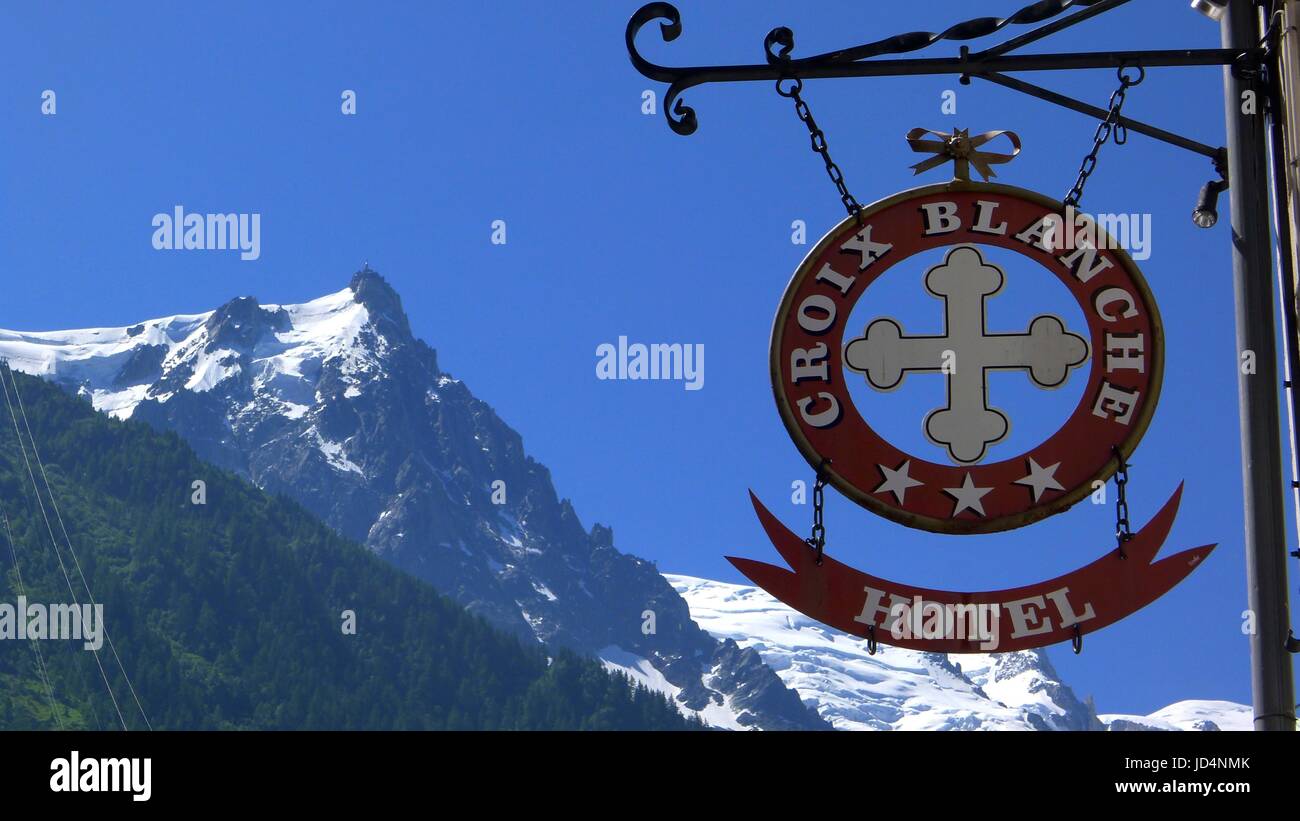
(966, 426)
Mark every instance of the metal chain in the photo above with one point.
(1122, 532)
(1105, 129)
(817, 541)
(818, 138)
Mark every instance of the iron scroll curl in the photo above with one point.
(992, 63)
(681, 117)
(779, 43)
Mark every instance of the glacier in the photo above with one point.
(899, 689)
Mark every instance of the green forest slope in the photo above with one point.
(229, 614)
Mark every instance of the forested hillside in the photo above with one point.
(229, 614)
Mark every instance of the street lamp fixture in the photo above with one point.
(1212, 9)
(1207, 204)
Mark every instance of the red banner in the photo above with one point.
(1062, 609)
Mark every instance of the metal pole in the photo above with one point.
(1261, 445)
(1285, 144)
(1282, 114)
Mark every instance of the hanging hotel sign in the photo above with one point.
(960, 484)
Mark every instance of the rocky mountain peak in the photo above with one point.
(333, 402)
(241, 322)
(385, 306)
(602, 536)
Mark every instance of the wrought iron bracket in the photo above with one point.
(991, 64)
(1218, 155)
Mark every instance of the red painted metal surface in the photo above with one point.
(1108, 288)
(1035, 615)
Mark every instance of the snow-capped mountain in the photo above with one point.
(895, 689)
(336, 404)
(1188, 715)
(910, 690)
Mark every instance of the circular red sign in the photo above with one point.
(1120, 355)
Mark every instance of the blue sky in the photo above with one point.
(531, 113)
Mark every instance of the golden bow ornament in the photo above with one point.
(962, 149)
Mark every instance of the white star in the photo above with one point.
(897, 481)
(968, 496)
(1040, 479)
